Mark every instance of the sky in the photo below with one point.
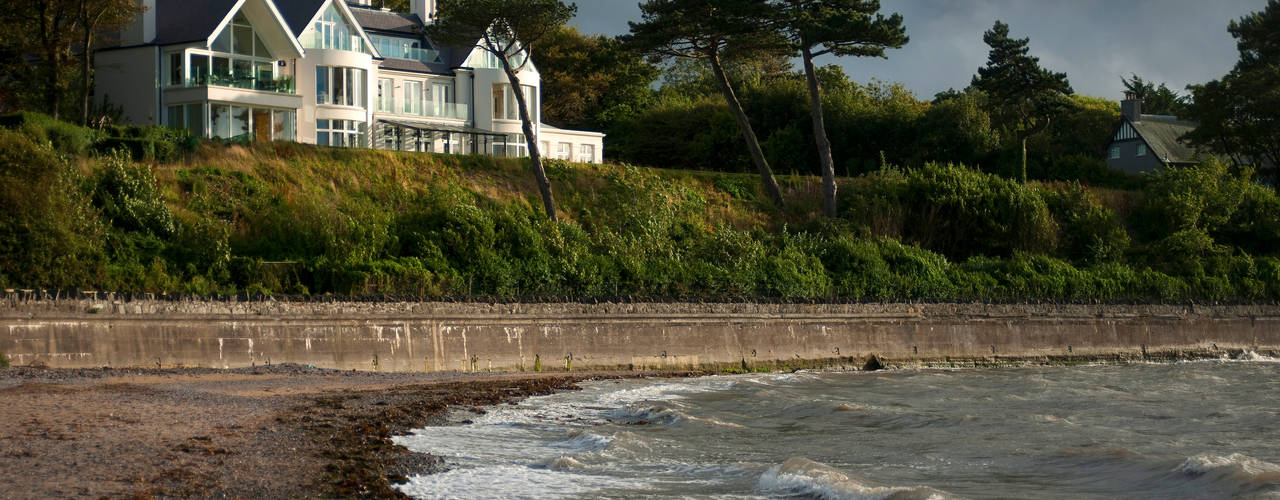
(1095, 42)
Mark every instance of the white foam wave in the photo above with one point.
(585, 441)
(1248, 355)
(512, 481)
(803, 477)
(1235, 464)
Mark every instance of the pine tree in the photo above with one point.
(1026, 96)
(713, 31)
(506, 29)
(841, 28)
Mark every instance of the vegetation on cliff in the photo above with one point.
(286, 218)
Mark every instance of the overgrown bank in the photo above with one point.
(296, 219)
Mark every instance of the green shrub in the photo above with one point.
(1088, 233)
(66, 138)
(960, 212)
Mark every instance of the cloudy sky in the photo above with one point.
(1095, 42)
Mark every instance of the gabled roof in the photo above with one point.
(180, 22)
(299, 13)
(1163, 135)
(183, 22)
(380, 20)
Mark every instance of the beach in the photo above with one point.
(273, 431)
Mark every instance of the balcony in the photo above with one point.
(282, 85)
(448, 110)
(396, 51)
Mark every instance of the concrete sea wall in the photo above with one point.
(108, 331)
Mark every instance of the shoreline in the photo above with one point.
(262, 431)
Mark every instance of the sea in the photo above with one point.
(1197, 429)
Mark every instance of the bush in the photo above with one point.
(1088, 233)
(66, 138)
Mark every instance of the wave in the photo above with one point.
(799, 476)
(1236, 471)
(662, 415)
(585, 441)
(1248, 355)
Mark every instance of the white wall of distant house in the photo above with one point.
(122, 77)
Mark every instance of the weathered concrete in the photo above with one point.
(103, 331)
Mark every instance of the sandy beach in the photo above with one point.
(279, 431)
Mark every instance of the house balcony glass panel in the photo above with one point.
(449, 110)
(219, 70)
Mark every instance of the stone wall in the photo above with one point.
(94, 331)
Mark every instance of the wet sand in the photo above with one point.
(280, 431)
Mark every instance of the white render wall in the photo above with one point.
(306, 87)
(130, 78)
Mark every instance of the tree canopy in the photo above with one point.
(1237, 114)
(506, 29)
(713, 31)
(1026, 96)
(842, 28)
(1156, 100)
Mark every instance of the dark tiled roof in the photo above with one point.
(380, 20)
(180, 22)
(298, 13)
(416, 66)
(1163, 134)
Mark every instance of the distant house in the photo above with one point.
(327, 72)
(1142, 143)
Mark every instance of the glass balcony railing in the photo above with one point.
(396, 51)
(430, 110)
(283, 85)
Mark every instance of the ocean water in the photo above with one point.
(1205, 429)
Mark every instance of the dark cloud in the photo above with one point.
(1094, 41)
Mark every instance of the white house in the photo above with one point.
(322, 72)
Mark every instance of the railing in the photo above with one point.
(396, 51)
(284, 85)
(448, 110)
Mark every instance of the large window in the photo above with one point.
(342, 133)
(332, 32)
(238, 59)
(386, 95)
(340, 86)
(512, 146)
(564, 151)
(587, 153)
(412, 98)
(505, 106)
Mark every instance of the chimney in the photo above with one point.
(142, 29)
(425, 9)
(1131, 107)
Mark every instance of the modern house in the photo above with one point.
(325, 72)
(1143, 143)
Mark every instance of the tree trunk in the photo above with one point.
(85, 59)
(820, 136)
(748, 134)
(1024, 159)
(531, 140)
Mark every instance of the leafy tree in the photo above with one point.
(1238, 113)
(506, 29)
(1156, 100)
(712, 31)
(1024, 94)
(42, 29)
(841, 28)
(589, 81)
